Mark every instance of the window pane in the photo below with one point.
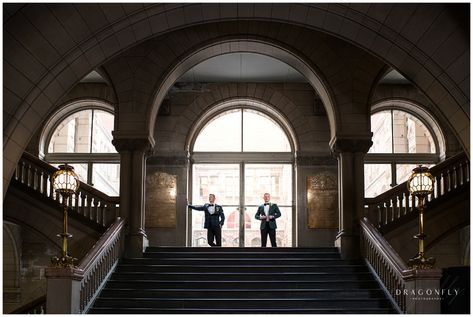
(403, 171)
(223, 180)
(102, 133)
(231, 228)
(382, 134)
(106, 178)
(79, 168)
(261, 134)
(283, 232)
(406, 133)
(221, 134)
(411, 135)
(275, 179)
(73, 134)
(377, 179)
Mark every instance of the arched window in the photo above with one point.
(403, 137)
(82, 137)
(242, 130)
(240, 150)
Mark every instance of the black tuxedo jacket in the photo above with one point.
(216, 219)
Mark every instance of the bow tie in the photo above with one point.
(266, 204)
(211, 205)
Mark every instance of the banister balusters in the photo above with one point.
(44, 182)
(384, 262)
(461, 173)
(467, 171)
(448, 179)
(83, 208)
(397, 202)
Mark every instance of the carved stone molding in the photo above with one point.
(311, 160)
(356, 144)
(176, 160)
(130, 145)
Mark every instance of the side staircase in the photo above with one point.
(241, 281)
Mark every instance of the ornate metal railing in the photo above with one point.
(88, 202)
(396, 203)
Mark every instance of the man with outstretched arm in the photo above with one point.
(214, 220)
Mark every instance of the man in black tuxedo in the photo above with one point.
(267, 213)
(214, 220)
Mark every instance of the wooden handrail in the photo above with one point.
(398, 202)
(386, 250)
(435, 171)
(100, 247)
(79, 286)
(86, 187)
(88, 202)
(37, 306)
(99, 263)
(388, 266)
(398, 280)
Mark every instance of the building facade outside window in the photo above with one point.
(402, 139)
(82, 137)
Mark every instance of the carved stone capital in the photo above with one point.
(355, 144)
(133, 143)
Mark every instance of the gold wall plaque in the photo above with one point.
(161, 192)
(322, 198)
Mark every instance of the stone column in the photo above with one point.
(350, 153)
(133, 152)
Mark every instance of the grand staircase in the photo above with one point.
(241, 281)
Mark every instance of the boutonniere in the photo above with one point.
(217, 208)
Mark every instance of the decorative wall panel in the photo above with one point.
(322, 198)
(161, 190)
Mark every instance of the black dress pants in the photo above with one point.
(214, 233)
(264, 236)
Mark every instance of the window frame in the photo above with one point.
(393, 159)
(241, 111)
(75, 158)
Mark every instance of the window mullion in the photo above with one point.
(91, 130)
(242, 132)
(89, 173)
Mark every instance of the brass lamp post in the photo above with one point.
(421, 184)
(66, 183)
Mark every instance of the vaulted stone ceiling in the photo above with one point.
(49, 48)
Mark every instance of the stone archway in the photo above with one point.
(40, 66)
(240, 45)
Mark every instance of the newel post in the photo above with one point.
(422, 291)
(63, 290)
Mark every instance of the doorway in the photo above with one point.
(239, 188)
(240, 150)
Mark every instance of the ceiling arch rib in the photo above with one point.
(251, 46)
(424, 54)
